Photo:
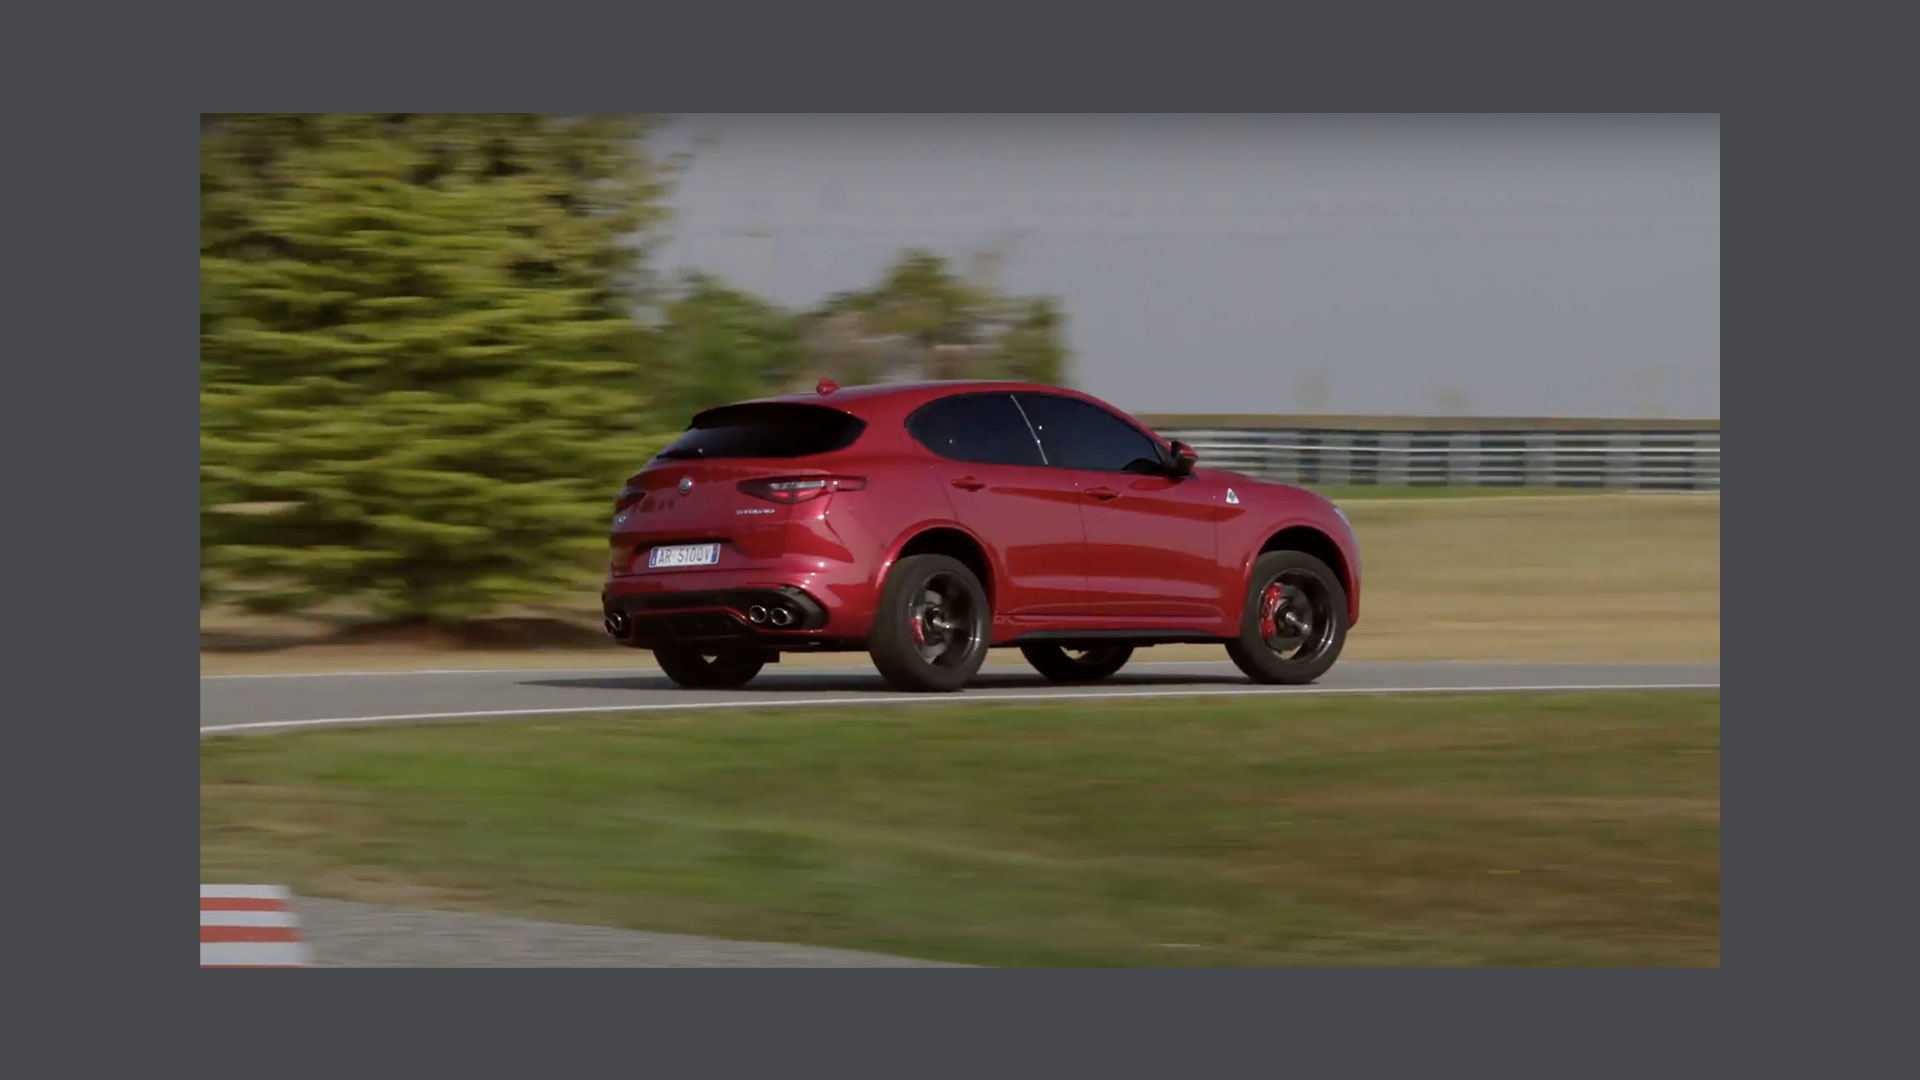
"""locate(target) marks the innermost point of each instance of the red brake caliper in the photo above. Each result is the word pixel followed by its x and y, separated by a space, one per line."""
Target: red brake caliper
pixel 1269 606
pixel 919 630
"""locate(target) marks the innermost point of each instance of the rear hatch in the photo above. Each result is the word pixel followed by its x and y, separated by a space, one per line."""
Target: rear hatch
pixel 724 491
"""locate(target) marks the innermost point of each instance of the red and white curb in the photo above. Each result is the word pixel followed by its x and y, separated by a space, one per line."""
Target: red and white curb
pixel 249 926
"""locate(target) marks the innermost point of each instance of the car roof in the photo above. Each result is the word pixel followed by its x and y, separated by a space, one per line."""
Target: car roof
pixel 894 401
pixel 909 393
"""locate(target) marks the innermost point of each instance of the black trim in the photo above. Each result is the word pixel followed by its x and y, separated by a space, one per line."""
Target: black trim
pixel 906 424
pixel 1165 465
pixel 712 615
pixel 660 628
pixel 651 631
pixel 813 616
pixel 1094 638
pixel 724 416
pixel 1153 438
pixel 1038 445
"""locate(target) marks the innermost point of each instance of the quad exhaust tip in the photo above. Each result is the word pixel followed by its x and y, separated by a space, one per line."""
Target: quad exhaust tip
pixel 781 616
pixel 616 623
pixel 756 614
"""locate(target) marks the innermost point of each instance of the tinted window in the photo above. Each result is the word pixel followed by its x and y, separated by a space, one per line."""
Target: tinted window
pixel 983 428
pixel 1077 435
pixel 774 430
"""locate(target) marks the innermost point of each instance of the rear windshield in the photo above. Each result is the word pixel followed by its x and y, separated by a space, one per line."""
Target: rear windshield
pixel 770 430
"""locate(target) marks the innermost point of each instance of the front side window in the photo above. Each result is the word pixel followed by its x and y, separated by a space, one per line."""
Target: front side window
pixel 983 428
pixel 1076 435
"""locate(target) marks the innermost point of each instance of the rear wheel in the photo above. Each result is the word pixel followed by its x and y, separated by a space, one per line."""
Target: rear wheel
pixel 1076 665
pixel 717 668
pixel 930 632
pixel 1295 622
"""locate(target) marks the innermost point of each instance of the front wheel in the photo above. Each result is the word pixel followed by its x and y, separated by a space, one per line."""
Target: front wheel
pixel 930 632
pixel 1076 665
pixel 1295 622
pixel 721 668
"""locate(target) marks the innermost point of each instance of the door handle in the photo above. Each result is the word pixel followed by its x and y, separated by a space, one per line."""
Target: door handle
pixel 1103 494
pixel 968 483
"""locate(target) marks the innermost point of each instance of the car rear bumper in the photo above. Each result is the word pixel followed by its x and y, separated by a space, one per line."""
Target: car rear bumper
pixel 647 611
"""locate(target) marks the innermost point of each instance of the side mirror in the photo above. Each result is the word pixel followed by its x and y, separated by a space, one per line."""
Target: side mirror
pixel 1183 458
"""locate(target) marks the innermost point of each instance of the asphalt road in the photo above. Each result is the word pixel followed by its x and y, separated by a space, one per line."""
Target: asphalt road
pixel 266 703
pixel 344 934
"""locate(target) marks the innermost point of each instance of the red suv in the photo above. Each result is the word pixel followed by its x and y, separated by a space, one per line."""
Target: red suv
pixel 926 522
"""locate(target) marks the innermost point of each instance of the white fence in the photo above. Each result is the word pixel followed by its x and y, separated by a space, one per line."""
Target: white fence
pixel 1654 460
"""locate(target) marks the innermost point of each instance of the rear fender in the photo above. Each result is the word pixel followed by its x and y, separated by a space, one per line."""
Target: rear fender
pixel 995 570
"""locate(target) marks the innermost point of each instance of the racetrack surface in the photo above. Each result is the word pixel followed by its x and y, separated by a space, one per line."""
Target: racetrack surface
pixel 345 934
pixel 267 703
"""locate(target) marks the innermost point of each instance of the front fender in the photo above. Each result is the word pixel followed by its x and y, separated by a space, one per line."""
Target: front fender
pixel 1332 531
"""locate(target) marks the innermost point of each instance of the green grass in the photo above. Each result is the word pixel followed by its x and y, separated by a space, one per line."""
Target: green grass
pixel 1470 830
pixel 1348 492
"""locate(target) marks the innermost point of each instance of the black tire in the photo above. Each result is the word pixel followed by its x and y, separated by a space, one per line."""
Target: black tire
pixel 723 667
pixel 1300 650
pixel 952 642
pixel 1077 665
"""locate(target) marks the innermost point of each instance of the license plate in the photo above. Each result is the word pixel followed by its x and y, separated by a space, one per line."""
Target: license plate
pixel 684 555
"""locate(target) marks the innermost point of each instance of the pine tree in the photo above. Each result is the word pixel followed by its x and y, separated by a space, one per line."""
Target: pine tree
pixel 418 348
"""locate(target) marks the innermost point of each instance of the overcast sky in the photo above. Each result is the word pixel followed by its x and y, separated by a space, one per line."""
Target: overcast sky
pixel 1488 265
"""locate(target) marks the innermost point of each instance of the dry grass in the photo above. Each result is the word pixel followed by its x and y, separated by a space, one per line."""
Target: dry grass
pixel 1562 577
pixel 1626 578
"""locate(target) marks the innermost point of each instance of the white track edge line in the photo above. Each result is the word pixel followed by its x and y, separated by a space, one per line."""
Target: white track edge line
pixel 644 671
pixel 232 891
pixel 415 671
pixel 255 953
pixel 282 917
pixel 933 699
pixel 836 668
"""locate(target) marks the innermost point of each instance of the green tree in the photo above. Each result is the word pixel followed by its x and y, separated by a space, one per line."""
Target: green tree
pixel 922 319
pixel 920 298
pixel 1029 346
pixel 418 350
pixel 719 344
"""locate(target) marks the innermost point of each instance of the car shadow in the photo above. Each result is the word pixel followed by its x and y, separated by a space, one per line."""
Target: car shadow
pixel 873 684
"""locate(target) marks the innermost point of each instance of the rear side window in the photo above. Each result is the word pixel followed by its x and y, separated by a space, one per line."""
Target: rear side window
pixel 767 430
pixel 983 428
pixel 1077 435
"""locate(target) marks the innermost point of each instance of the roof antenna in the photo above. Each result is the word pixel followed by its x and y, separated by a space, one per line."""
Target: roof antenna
pixel 826 386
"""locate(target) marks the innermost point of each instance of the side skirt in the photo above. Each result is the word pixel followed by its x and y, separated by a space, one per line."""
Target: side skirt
pixel 1075 639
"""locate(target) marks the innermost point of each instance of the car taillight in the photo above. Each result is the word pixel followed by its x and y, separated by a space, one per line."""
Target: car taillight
pixel 627 497
pixel 793 489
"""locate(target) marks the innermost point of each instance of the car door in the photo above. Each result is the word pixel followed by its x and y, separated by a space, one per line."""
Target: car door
pixel 1000 488
pixel 1150 535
